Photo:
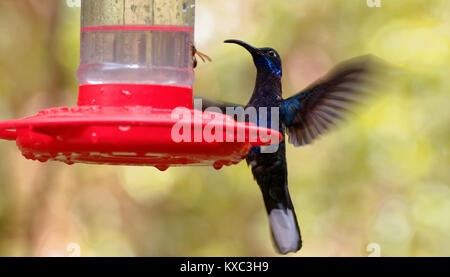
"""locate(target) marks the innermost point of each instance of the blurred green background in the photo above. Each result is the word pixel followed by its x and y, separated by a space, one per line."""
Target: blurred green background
pixel 383 177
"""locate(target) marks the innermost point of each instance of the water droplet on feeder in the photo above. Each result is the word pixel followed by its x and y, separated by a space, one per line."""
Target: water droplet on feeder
pixel 126 93
pixel 217 165
pixel 162 167
pixel 124 128
pixel 29 156
pixel 94 138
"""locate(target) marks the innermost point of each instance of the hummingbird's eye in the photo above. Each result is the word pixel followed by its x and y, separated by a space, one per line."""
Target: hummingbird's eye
pixel 272 54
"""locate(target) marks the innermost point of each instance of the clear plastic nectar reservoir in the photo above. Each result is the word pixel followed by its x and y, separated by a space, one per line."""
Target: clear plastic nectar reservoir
pixel 137 42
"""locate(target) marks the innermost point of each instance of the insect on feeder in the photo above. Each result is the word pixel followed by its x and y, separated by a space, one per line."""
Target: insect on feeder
pixel 135 69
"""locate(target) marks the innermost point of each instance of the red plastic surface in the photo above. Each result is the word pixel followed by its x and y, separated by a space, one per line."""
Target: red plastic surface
pixel 120 132
pixel 155 96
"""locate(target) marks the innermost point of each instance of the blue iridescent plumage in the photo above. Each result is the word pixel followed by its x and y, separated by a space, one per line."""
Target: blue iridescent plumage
pixel 274 68
pixel 288 109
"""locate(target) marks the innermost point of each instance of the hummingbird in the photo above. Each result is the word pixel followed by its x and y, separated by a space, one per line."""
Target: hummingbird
pixel 304 117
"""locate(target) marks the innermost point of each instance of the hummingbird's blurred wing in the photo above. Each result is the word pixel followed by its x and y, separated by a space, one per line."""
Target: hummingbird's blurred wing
pixel 311 112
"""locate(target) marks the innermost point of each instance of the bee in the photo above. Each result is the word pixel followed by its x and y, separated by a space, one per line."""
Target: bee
pixel 202 56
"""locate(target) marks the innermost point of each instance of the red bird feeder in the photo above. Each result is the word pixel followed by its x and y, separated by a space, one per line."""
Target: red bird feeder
pixel 135 71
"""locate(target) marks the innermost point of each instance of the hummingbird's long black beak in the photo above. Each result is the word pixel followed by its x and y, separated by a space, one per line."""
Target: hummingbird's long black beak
pixel 253 50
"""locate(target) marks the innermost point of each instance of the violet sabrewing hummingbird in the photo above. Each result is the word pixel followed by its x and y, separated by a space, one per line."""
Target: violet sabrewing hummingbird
pixel 304 116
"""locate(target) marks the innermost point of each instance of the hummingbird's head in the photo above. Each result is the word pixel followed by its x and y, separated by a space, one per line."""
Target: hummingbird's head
pixel 265 59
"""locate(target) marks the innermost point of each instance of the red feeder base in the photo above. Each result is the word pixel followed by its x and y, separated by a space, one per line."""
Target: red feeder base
pixel 124 125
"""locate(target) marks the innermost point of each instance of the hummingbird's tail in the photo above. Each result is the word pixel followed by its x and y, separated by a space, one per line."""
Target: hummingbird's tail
pixel 270 172
pixel 282 219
